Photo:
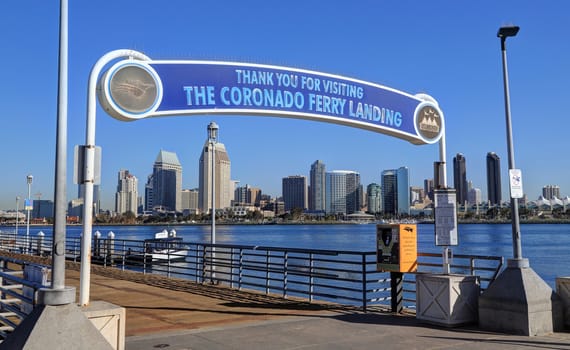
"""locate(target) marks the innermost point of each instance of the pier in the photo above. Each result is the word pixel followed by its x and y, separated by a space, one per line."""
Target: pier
pixel 177 313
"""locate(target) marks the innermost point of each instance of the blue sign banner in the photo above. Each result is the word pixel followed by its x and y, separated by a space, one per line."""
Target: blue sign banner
pixel 203 87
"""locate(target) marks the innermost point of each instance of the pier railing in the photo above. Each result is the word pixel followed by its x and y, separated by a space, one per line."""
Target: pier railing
pixel 344 277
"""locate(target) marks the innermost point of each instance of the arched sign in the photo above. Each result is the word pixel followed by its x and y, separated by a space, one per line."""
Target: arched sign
pixel 135 89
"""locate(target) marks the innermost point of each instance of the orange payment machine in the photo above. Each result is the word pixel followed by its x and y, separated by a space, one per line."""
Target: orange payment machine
pixel 396 247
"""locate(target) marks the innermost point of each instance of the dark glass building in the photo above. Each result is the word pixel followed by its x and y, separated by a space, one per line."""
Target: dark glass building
pixel 460 178
pixel 493 178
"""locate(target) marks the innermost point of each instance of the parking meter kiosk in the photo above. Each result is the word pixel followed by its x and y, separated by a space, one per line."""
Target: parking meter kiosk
pixel 396 247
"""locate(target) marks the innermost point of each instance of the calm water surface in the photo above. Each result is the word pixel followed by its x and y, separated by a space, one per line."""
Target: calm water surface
pixel 546 246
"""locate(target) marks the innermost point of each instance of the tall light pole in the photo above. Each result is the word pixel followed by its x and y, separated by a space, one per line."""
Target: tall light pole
pixel 17 219
pixel 503 33
pixel 212 139
pixel 29 206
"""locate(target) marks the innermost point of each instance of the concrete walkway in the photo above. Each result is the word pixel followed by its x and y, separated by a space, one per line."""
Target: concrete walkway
pixel 164 313
pixel 178 314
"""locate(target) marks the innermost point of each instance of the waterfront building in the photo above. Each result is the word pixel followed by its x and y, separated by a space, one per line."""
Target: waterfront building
pixel 317 195
pixel 428 188
pixel 148 194
pixel 474 196
pixel 295 194
pixel 403 190
pixel 224 186
pixel 396 191
pixel 42 209
pixel 190 200
pixel 342 192
pixel 127 193
pixel 493 179
pixel 167 182
pixel 247 195
pixel 417 195
pixel 460 178
pixel 551 191
pixel 374 194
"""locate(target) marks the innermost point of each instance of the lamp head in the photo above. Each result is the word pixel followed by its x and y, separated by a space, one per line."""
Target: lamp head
pixel 507 31
pixel 213 131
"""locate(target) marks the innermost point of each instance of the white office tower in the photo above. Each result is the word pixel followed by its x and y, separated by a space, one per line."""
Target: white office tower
pixel 224 189
pixel 126 197
pixel 342 192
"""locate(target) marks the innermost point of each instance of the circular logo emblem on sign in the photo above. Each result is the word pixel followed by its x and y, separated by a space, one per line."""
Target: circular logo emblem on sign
pixel 429 123
pixel 130 90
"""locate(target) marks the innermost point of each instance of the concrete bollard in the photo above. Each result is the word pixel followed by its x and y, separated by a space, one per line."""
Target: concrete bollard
pixel 97 244
pixel 40 243
pixel 110 251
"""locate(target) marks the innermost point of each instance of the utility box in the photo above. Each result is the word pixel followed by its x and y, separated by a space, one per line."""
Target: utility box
pixel 396 247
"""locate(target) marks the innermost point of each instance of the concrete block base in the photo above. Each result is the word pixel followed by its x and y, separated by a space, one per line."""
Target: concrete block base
pixel 520 302
pixel 56 327
pixel 563 290
pixel 110 320
pixel 447 300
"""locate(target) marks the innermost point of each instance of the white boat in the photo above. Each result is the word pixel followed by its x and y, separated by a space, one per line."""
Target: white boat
pixel 165 246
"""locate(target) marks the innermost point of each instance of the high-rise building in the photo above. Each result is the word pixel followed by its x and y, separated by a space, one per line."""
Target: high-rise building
pixel 551 191
pixel 374 194
pixel 190 200
pixel 295 192
pixel 342 192
pixel 247 196
pixel 493 178
pixel 403 190
pixel 474 196
pixel 148 194
pixel 396 191
pixel 224 187
pixel 389 191
pixel 460 178
pixel 167 182
pixel 428 188
pixel 317 195
pixel 127 193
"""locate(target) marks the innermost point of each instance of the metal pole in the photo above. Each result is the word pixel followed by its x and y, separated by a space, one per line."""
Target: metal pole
pixel 89 164
pixel 60 197
pixel 17 219
pixel 29 180
pixel 517 250
pixel 213 233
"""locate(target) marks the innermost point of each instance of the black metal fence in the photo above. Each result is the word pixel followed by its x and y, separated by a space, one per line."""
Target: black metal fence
pixel 344 277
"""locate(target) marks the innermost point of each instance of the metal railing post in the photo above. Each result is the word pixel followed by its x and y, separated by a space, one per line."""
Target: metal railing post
pixel 364 280
pixel 285 272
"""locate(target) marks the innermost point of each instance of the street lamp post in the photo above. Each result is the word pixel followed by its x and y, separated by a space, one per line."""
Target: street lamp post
pixel 503 33
pixel 29 180
pixel 17 219
pixel 212 139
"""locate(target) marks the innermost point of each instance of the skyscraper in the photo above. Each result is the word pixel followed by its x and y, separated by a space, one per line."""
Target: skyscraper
pixel 127 193
pixel 493 178
pixel 403 190
pixel 374 194
pixel 551 191
pixel 224 189
pixel 317 195
pixel 167 182
pixel 342 192
pixel 396 191
pixel 389 191
pixel 295 192
pixel 460 178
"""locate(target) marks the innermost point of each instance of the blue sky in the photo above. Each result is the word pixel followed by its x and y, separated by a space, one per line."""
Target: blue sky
pixel 447 49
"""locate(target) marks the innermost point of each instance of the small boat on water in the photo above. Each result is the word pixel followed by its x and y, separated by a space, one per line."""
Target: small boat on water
pixel 165 246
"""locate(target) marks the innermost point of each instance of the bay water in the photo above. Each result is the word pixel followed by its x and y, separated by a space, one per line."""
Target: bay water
pixel 547 246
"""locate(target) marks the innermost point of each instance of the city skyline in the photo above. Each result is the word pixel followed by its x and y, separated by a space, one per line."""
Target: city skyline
pixel 460 69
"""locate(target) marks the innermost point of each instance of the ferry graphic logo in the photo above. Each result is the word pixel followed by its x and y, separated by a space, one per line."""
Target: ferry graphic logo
pixel 428 123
